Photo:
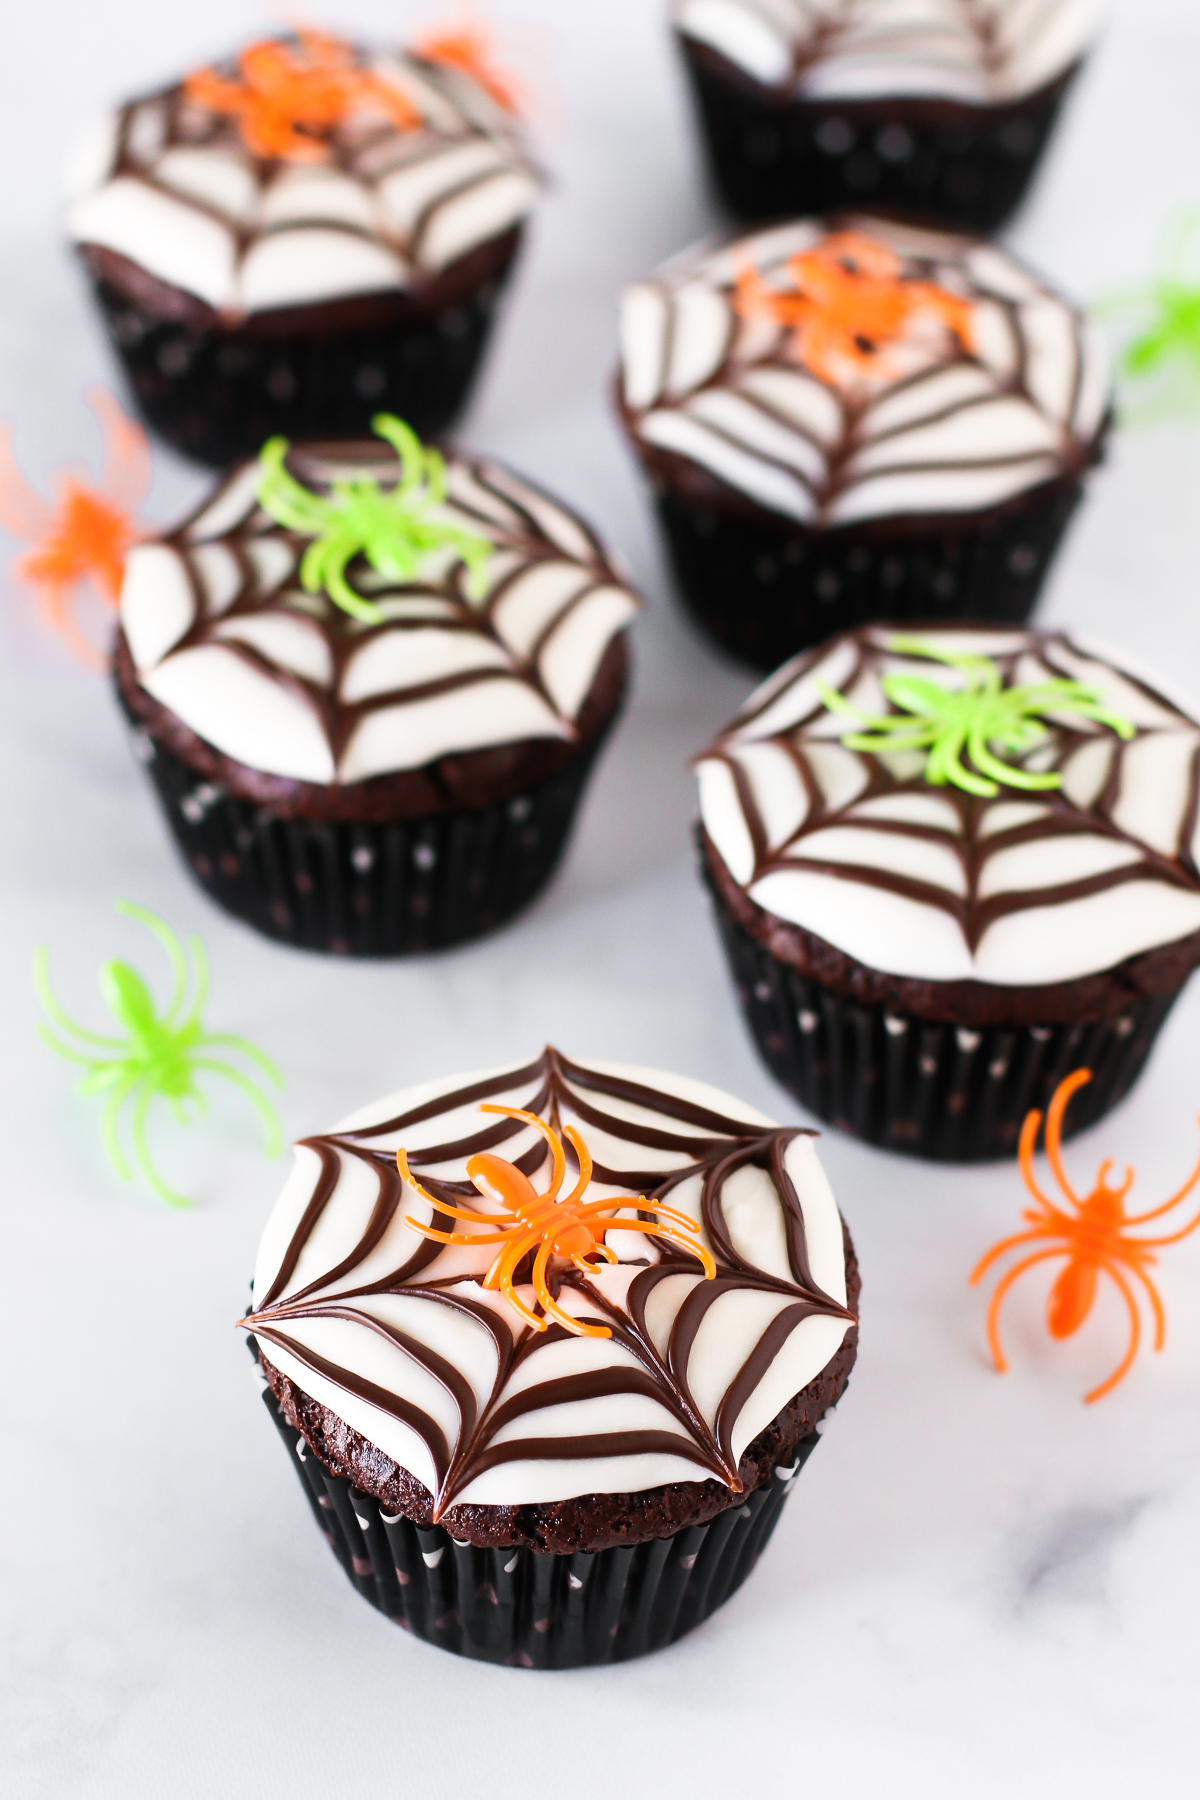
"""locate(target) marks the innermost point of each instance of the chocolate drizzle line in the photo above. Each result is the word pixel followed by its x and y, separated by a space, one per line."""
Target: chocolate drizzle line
pixel 440 605
pixel 362 148
pixel 850 27
pixel 969 841
pixel 712 1145
pixel 1070 454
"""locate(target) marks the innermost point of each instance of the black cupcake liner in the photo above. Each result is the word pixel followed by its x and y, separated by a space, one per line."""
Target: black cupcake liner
pixel 389 889
pixel 766 590
pixel 946 1092
pixel 963 167
pixel 217 394
pixel 527 1609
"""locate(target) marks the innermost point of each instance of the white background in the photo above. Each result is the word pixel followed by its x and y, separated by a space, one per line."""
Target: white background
pixel 980 1584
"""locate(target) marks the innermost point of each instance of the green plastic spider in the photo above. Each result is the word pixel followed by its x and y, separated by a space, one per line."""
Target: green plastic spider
pixel 1166 317
pixel 950 722
pixel 159 1057
pixel 396 529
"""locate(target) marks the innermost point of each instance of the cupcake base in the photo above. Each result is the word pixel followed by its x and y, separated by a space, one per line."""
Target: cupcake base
pixel 950 1093
pixel 526 1609
pixel 966 167
pixel 371 888
pixel 216 392
pixel 764 588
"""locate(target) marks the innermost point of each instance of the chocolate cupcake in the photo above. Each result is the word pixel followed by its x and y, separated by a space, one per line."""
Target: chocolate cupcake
pixel 572 1448
pixel 846 420
pixel 950 870
pixel 369 687
pixel 937 110
pixel 293 240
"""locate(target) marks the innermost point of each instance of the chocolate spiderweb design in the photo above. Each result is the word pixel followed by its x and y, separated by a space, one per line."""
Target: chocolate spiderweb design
pixel 950 41
pixel 550 589
pixel 952 427
pixel 636 1361
pixel 399 200
pixel 872 819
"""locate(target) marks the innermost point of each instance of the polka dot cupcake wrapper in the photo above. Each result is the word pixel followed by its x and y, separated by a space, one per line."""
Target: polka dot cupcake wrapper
pixel 966 167
pixel 530 1610
pixel 217 394
pixel 908 1084
pixel 764 592
pixel 373 890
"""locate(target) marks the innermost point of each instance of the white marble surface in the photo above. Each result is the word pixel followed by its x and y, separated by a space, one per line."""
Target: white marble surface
pixel 981 1585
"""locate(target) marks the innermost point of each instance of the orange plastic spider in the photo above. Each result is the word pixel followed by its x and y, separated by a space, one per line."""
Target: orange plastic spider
pixel 552 1226
pixel 848 301
pixel 1093 1238
pixel 287 97
pixel 471 47
pixel 87 534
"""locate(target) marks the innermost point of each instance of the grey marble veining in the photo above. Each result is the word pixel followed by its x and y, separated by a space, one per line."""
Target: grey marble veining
pixel 981 1587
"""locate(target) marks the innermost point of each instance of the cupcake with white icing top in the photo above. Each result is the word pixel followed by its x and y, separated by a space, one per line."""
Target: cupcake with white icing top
pixel 936 109
pixel 846 420
pixel 291 240
pixel 950 868
pixel 369 685
pixel 547 1345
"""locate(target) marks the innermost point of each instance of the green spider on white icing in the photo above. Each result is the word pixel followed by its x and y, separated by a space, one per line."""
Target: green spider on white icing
pixel 397 529
pixel 983 720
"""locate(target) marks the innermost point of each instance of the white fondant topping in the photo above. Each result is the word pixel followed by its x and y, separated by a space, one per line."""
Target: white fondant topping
pixel 979 51
pixel 315 262
pixel 178 244
pixel 177 192
pixel 733 1326
pixel 937 427
pixel 246 714
pixel 1131 836
pixel 218 625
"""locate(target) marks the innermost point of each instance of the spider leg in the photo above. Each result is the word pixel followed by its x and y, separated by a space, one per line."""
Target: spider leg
pixel 1054 1118
pixel 998 1250
pixel 556 1149
pixel 109 1130
pixel 551 1307
pixel 519 1245
pixel 509 1293
pixel 642 1204
pixel 229 1041
pixel 408 448
pixel 456 1237
pixel 669 1213
pixel 53 603
pixel 41 981
pixel 285 498
pixel 262 1105
pixel 603 1250
pixel 1135 1337
pixel 1156 1243
pixel 1025 1150
pixel 585 1166
pixel 22 509
pixel 141 1148
pixel 454 1212
pixel 1156 1305
pixel 170 943
pixel 700 1251
pixel 1176 1198
pixel 993 1315
pixel 327 569
pixel 201 982
pixel 126 474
